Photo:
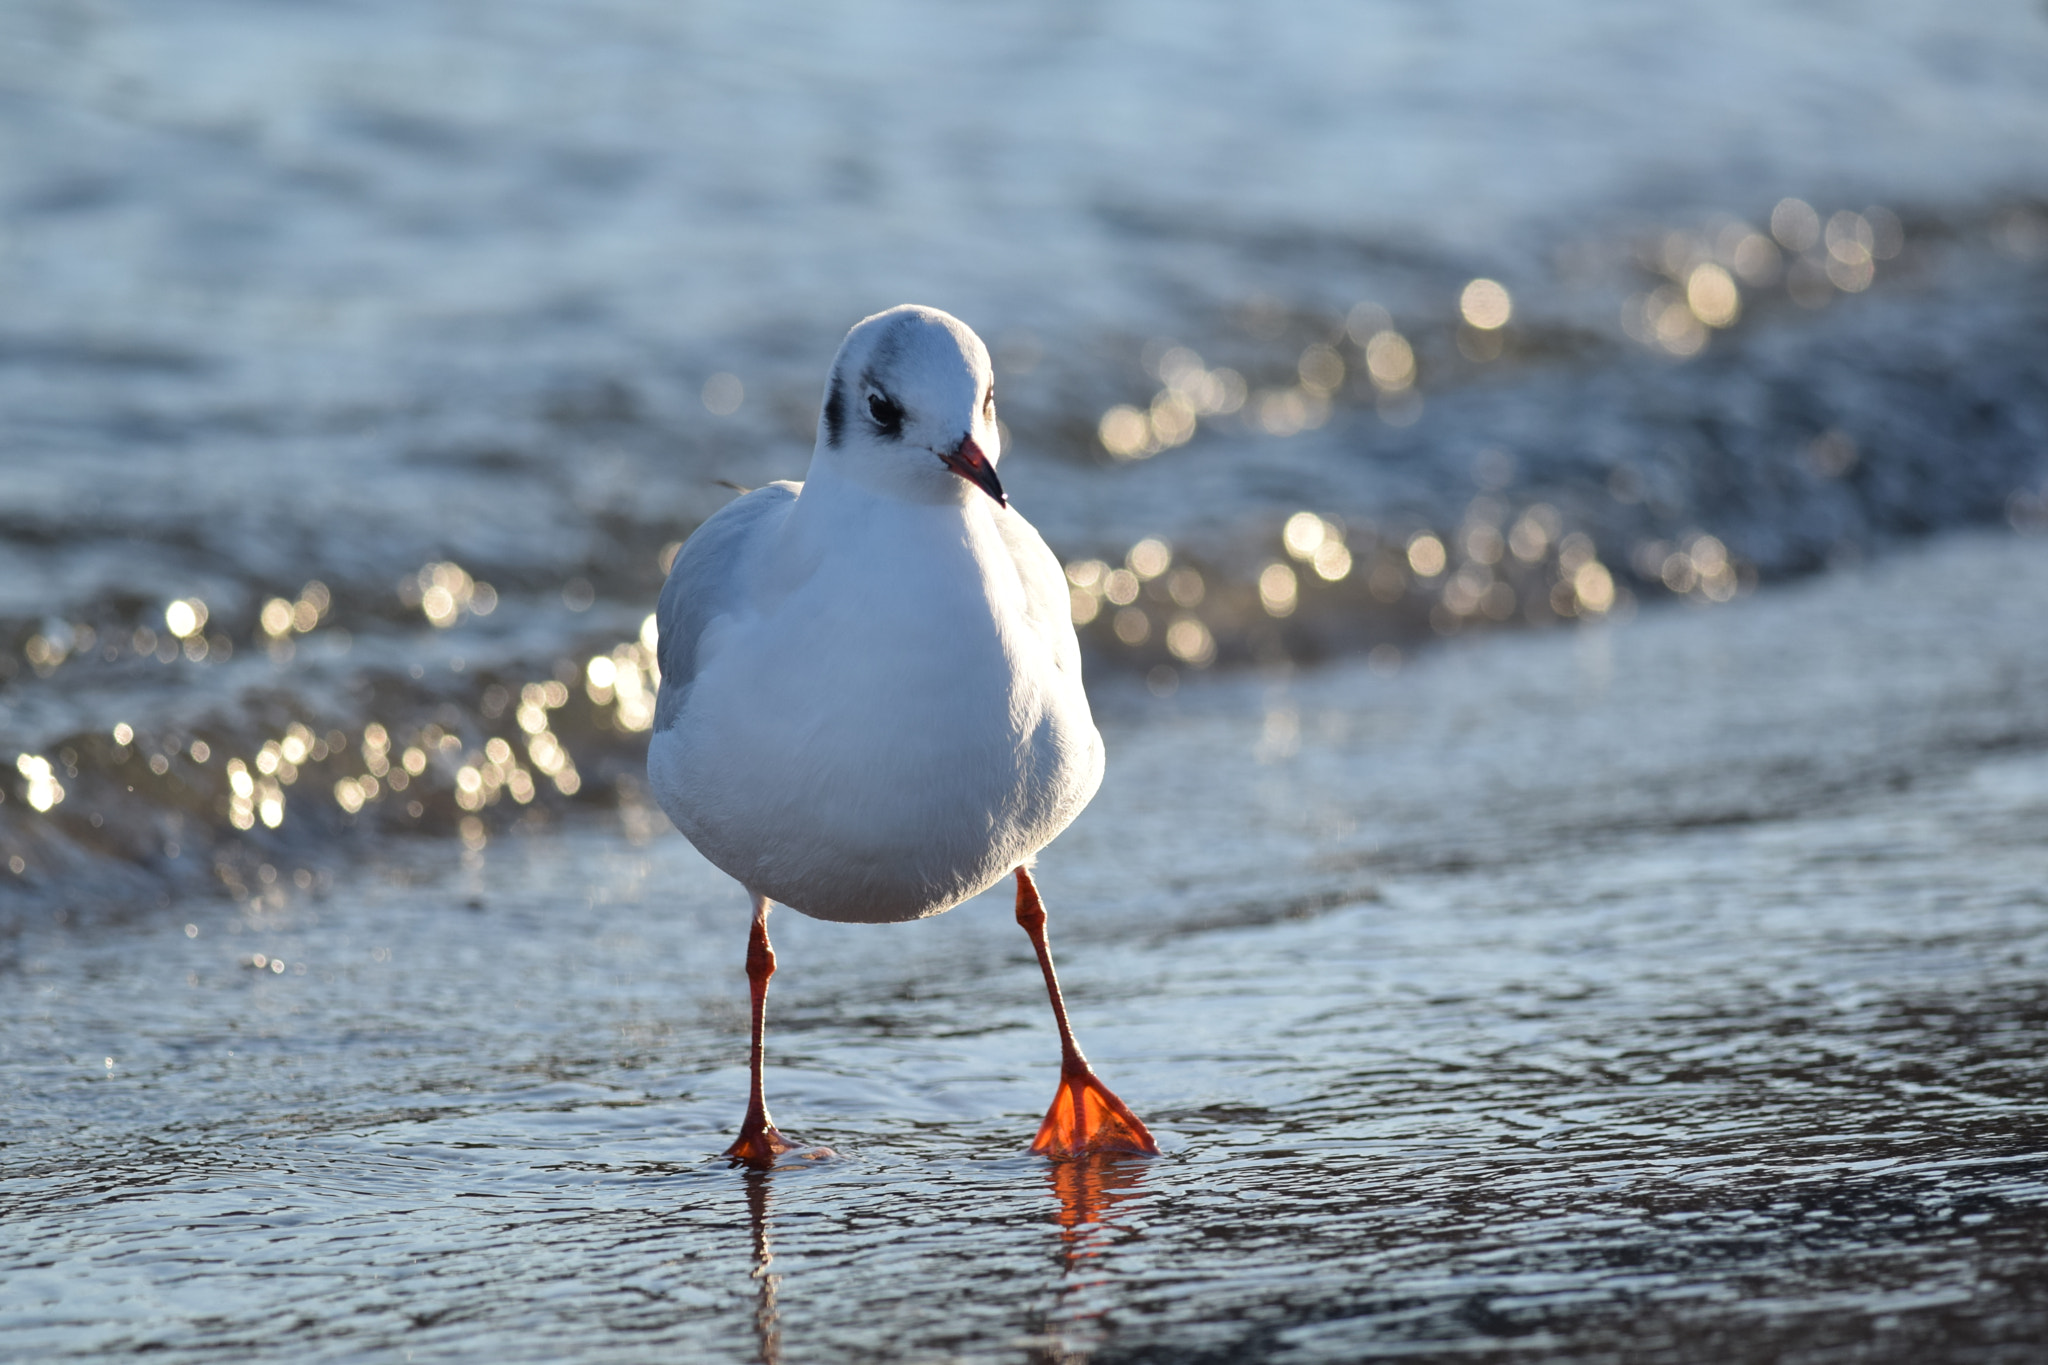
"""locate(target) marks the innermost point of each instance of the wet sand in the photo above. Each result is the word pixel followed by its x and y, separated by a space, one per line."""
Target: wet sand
pixel 1670 989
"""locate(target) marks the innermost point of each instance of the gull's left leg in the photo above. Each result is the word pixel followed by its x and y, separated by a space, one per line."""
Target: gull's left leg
pixel 759 1144
pixel 1085 1116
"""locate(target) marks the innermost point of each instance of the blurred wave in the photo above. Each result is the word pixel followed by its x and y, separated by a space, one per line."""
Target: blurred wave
pixel 361 363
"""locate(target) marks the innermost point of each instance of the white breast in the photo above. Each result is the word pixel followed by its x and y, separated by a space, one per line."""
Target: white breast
pixel 882 727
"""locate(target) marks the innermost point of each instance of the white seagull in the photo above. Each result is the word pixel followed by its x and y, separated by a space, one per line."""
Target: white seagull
pixel 871 704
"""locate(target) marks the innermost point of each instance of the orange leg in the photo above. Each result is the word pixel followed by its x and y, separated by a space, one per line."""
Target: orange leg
pixel 1085 1116
pixel 759 1144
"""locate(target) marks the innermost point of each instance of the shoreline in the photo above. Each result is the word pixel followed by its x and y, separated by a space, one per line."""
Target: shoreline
pixel 169 845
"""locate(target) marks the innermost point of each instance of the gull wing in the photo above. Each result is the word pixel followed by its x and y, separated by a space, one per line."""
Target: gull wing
pixel 705 584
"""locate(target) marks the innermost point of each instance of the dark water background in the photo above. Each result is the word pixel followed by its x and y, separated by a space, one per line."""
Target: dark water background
pixel 318 311
pixel 1623 942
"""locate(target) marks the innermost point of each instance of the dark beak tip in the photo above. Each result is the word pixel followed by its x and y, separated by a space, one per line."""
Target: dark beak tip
pixel 972 465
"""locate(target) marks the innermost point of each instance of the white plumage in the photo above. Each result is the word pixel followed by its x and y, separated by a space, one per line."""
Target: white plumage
pixel 871 703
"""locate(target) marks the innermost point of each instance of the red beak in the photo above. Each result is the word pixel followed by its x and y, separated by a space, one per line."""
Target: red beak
pixel 970 464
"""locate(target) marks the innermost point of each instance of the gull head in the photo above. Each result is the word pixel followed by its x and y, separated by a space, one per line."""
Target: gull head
pixel 910 408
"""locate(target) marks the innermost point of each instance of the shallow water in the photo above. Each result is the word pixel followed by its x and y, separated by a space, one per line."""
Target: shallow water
pixel 1669 990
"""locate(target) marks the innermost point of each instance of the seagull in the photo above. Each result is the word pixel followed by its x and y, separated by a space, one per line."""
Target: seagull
pixel 871 705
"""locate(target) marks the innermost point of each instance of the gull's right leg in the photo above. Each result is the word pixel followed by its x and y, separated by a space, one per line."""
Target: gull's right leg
pixel 759 1144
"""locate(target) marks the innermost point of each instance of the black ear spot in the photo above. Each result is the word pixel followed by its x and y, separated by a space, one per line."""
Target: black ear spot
pixel 888 416
pixel 835 412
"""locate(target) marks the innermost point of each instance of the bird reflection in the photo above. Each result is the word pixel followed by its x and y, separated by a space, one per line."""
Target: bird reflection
pixel 1090 1191
pixel 767 1328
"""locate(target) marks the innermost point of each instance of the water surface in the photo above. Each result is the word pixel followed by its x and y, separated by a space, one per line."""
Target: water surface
pixel 1670 990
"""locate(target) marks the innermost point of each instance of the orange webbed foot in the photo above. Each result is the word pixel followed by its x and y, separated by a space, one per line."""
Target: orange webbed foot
pixel 1086 1116
pixel 759 1146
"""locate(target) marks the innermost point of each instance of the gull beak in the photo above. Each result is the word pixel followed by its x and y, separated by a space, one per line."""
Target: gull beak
pixel 970 464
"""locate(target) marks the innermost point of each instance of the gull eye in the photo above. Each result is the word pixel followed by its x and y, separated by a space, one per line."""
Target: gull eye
pixel 887 415
pixel 988 404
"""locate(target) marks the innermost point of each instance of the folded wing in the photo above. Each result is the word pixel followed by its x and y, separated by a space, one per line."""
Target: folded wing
pixel 706 582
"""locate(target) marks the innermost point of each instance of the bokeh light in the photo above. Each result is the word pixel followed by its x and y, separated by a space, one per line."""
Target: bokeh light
pixel 1426 554
pixel 1485 304
pixel 723 393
